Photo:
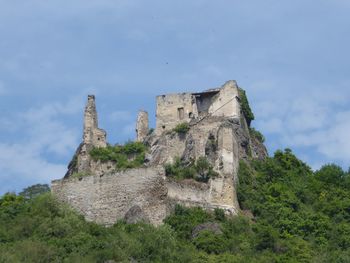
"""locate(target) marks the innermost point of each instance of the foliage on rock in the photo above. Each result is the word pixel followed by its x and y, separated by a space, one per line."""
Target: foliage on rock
pixel 256 134
pixel 182 128
pixel 200 170
pixel 130 155
pixel 247 112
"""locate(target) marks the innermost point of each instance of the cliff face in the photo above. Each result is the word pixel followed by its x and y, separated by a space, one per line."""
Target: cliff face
pixel 210 126
pixel 223 142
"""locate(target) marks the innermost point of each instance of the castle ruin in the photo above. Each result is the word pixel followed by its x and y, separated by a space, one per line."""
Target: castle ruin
pixel 216 130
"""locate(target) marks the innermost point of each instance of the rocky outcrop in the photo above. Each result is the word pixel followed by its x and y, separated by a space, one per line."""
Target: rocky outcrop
pixel 135 215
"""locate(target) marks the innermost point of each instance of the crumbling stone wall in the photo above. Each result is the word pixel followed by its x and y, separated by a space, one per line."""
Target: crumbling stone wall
pixel 173 109
pixel 106 199
pixel 217 130
pixel 93 136
pixel 142 126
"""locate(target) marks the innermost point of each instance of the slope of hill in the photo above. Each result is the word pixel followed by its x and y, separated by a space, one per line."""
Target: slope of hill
pixel 290 214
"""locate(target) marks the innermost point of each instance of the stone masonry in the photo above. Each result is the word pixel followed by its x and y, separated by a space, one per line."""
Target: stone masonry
pixel 217 131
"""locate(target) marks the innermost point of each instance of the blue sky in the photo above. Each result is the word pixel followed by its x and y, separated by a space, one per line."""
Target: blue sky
pixel 291 56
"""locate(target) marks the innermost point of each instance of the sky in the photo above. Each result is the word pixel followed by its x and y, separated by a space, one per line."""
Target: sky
pixel 292 58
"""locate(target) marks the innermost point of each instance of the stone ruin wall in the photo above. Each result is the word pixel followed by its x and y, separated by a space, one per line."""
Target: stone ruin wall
pixel 173 109
pixel 106 199
pixel 228 137
pixel 213 116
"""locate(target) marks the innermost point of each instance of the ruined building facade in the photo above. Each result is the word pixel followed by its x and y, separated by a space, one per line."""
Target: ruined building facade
pixel 217 130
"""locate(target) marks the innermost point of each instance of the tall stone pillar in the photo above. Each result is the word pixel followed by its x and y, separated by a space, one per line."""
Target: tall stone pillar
pixel 142 126
pixel 92 134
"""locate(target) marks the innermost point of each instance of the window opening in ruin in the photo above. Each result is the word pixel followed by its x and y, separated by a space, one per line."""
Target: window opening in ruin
pixel 190 115
pixel 163 126
pixel 180 113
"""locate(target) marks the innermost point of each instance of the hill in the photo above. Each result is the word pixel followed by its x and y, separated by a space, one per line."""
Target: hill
pixel 290 214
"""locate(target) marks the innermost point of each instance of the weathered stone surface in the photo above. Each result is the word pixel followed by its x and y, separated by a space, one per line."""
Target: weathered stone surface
pixel 92 137
pixel 259 150
pixel 92 134
pixel 108 198
pixel 142 127
pixel 217 130
pixel 135 215
pixel 210 226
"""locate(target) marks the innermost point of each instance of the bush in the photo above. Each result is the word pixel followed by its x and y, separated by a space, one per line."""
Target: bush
pixel 201 170
pixel 210 242
pixel 256 134
pixel 247 112
pixel 182 128
pixel 130 155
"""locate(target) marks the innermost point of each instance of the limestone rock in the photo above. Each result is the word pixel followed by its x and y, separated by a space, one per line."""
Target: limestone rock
pixel 142 128
pixel 135 215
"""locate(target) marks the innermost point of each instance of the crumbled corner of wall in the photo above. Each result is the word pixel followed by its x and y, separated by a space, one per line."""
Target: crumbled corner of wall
pixel 258 149
pixel 73 164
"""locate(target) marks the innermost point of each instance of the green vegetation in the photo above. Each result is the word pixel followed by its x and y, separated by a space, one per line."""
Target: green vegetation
pixel 299 216
pixel 201 170
pixel 298 211
pixel 34 191
pixel 256 134
pixel 247 112
pixel 183 128
pixel 130 155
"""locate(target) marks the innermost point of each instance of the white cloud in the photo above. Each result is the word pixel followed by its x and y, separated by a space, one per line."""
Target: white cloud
pixel 42 133
pixel 21 165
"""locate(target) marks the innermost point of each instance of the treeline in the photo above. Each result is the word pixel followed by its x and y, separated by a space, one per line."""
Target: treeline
pixel 290 214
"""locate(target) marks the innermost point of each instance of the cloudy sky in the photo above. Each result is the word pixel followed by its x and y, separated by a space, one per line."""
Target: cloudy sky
pixel 291 56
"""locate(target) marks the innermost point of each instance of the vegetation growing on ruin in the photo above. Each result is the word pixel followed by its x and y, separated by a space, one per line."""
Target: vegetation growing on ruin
pixel 183 127
pixel 256 134
pixel 130 155
pixel 200 170
pixel 247 112
pixel 297 216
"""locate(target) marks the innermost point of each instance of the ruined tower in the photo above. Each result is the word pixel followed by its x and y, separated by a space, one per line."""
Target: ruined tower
pixel 142 126
pixel 92 134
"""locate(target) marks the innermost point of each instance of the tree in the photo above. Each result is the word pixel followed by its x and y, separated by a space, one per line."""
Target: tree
pixel 34 191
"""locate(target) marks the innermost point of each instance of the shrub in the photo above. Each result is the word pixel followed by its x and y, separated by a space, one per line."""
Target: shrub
pixel 219 214
pixel 210 242
pixel 201 170
pixel 256 134
pixel 130 155
pixel 247 112
pixel 182 128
